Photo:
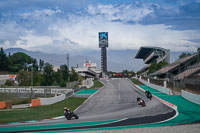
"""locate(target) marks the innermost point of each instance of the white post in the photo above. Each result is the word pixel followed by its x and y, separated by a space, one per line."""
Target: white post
pixel 165 84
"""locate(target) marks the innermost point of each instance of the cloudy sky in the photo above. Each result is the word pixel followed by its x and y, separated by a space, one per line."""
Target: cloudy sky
pixel 57 26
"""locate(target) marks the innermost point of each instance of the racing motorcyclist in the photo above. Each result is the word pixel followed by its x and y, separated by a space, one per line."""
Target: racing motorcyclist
pixel 141 102
pixel 69 114
pixel 148 94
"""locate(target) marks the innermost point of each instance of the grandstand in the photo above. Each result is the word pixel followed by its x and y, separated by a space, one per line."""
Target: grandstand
pixel 195 69
pixel 177 67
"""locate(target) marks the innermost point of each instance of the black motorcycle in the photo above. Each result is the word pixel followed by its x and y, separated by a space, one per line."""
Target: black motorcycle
pixel 148 94
pixel 69 115
pixel 141 102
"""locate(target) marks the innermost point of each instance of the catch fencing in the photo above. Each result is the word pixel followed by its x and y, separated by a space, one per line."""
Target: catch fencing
pixel 35 92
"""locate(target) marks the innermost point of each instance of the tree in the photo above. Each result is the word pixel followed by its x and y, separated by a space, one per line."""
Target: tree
pixel 24 78
pixel 3 61
pixel 19 61
pixel 35 64
pixel 156 66
pixel 64 72
pixel 41 64
pixel 74 76
pixel 183 55
pixel 48 75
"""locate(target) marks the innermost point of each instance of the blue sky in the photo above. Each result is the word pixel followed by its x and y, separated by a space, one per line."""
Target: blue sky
pixel 57 26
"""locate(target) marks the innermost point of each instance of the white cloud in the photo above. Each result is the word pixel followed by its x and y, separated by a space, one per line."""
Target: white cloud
pixel 78 32
pixel 84 31
pixel 124 12
pixel 37 14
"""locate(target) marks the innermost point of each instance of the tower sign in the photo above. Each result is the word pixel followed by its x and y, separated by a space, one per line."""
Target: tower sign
pixel 103 43
pixel 103 39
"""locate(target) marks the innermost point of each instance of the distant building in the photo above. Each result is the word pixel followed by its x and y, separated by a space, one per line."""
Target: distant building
pixel 55 68
pixel 92 66
pixel 4 78
pixel 89 70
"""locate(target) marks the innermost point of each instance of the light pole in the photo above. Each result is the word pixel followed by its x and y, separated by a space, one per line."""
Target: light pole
pixel 31 79
pixel 67 60
pixel 68 65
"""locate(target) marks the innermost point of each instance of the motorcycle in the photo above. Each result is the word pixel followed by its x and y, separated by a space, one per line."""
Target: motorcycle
pixel 69 115
pixel 141 102
pixel 148 95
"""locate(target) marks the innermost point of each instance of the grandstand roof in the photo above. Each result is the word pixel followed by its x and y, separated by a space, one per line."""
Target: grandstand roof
pixel 143 52
pixel 146 51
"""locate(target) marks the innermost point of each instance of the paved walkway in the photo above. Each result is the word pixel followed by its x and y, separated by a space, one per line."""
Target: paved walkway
pixel 18 106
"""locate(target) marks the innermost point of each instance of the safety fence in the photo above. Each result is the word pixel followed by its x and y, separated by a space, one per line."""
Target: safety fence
pixel 195 98
pixel 190 84
pixel 159 88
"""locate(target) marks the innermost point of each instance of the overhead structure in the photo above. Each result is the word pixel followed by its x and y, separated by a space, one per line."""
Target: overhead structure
pixel 103 44
pixel 153 54
pixel 89 70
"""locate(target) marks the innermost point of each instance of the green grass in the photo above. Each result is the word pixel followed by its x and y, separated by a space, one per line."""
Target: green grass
pixel 40 112
pixel 137 82
pixel 13 98
pixel 97 84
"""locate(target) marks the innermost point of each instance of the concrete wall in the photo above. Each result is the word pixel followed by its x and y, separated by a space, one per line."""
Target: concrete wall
pixel 88 82
pixel 159 88
pixel 52 100
pixel 191 97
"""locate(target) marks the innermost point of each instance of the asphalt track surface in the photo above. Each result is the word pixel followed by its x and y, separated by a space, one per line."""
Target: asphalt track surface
pixel 117 100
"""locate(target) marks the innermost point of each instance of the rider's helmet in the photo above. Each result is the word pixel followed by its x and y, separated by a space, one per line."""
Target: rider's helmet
pixel 138 99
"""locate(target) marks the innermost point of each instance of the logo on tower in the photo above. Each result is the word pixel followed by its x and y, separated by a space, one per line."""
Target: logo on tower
pixel 103 39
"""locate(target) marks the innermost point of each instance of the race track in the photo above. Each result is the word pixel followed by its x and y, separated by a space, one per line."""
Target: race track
pixel 115 101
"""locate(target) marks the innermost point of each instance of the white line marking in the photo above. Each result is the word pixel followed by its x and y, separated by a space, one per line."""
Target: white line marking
pixel 119 92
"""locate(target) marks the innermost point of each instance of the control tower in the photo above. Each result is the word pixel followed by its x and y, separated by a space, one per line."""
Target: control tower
pixel 103 44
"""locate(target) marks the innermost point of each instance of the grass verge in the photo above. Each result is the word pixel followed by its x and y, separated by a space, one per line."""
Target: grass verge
pixel 40 112
pixel 97 84
pixel 137 82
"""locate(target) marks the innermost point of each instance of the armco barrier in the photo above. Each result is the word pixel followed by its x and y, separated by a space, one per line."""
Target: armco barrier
pixel 191 97
pixel 159 88
pixel 35 90
pixel 52 100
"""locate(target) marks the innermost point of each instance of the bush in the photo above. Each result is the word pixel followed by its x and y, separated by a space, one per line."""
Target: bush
pixel 9 83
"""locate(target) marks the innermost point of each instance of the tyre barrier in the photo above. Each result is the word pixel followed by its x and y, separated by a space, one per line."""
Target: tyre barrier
pixel 5 105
